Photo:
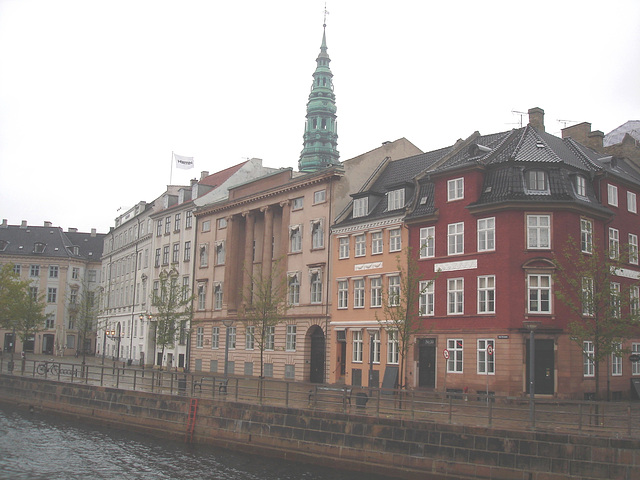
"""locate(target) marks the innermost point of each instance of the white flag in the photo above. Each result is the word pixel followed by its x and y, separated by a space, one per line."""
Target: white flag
pixel 184 163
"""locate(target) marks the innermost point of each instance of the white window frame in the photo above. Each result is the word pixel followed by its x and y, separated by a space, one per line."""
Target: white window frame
pixel 395 240
pixel 297 203
pixel 343 247
pixel 587 296
pixel 395 199
pixel 320 196
pixel 581 186
pixel 455 189
pixel 635 366
pixel 536 293
pixel 202 296
pixel 343 294
pixel 357 345
pixel 455 238
pixel 393 350
pixel 317 234
pixel 426 299
pixel 360 245
pixel 632 203
pixel 358 292
pixel 538 234
pixel 486 234
pixel 633 248
pixel 427 242
pixel 616 361
pixel 612 195
pixel 455 296
pixel 377 242
pixel 614 243
pixel 249 337
pixel 394 291
pixel 270 337
pixel 360 207
pixel 455 363
pixel 295 238
pixel 290 339
pixel 316 287
pixel 486 294
pixel 634 300
pixel 486 364
pixel 586 235
pixel 536 181
pixel 588 364
pixel 215 337
pixel 375 284
pixel 199 337
pixel 293 290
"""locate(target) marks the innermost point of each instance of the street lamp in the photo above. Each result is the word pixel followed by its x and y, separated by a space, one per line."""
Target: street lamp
pixel 532 326
pixel 372 333
pixel 227 323
pixel 142 318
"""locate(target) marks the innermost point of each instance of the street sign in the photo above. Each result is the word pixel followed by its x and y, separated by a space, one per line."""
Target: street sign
pixel 445 354
pixel 490 350
pixel 634 357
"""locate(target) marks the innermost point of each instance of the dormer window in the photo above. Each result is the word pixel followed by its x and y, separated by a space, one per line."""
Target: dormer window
pixel 581 186
pixel 3 245
pixel 39 247
pixel 455 189
pixel 395 199
pixel 536 182
pixel 360 207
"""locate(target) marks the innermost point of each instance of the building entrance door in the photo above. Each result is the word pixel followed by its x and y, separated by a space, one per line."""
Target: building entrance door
pixel 544 375
pixel 316 375
pixel 427 362
pixel 9 342
pixel 48 341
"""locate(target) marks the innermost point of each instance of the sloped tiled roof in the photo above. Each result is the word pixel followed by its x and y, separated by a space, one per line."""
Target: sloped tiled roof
pixel 218 178
pixel 58 244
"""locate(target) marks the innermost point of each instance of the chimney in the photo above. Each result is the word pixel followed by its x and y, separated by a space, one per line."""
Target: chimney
pixel 23 224
pixel 47 224
pixel 93 232
pixel 595 140
pixel 4 223
pixel 536 118
pixel 194 181
pixel 203 174
pixel 582 133
pixel 72 230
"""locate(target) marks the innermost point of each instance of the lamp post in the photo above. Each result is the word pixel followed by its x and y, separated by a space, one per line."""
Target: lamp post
pixel 532 326
pixel 372 333
pixel 227 324
pixel 142 318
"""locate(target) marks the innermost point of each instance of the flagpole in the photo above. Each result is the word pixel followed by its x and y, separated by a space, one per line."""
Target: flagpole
pixel 171 174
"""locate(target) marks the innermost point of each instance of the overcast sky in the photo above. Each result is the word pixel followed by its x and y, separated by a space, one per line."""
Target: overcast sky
pixel 96 94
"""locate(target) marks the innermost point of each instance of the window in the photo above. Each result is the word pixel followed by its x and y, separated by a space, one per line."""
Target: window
pixel 39 247
pixel 217 296
pixel 427 242
pixel 615 299
pixel 220 253
pixel 202 296
pixel 539 293
pixel 222 223
pixel 176 223
pixel 231 332
pixel 614 243
pixel 187 251
pixel 395 240
pixel 361 246
pixel 206 226
pixel 317 234
pixel 53 271
pixel 199 337
pixel 34 271
pixel 188 222
pixel 536 181
pixel 486 234
pixel 376 292
pixel 295 233
pixel 538 231
pixel 633 248
pixel 250 339
pixel 487 294
pixel 455 295
pixel 455 237
pixel 290 343
pixel 393 353
pixel 357 345
pixel 185 288
pixel 634 300
pixel 165 255
pixel 586 235
pixel 17 269
pixel 587 296
pixel 635 366
pixel 215 337
pixel 297 203
pixel 167 225
pixel 358 293
pixel 343 247
pixel 270 337
pixel 73 296
pixel 360 207
pixel 581 186
pixel 616 360
pixel 612 195
pixel 454 364
pixel 175 257
pixel 343 294
pixel 319 196
pixel 316 287
pixel 75 273
pixel 3 245
pixel 294 289
pixel 376 243
pixel 52 295
pixel 426 301
pixel 394 290
pixel 204 255
pixel 159 227
pixel 376 347
pixel 395 199
pixel 50 321
pixel 486 357
pixel 631 202
pixel 455 189
pixel 33 293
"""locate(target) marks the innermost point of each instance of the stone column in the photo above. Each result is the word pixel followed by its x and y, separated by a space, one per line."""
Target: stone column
pixel 267 245
pixel 284 236
pixel 250 221
pixel 232 263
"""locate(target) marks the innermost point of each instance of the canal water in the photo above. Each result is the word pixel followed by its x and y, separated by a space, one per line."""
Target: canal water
pixel 40 446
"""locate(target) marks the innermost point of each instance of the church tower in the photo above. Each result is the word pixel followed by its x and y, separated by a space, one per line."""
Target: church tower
pixel 321 128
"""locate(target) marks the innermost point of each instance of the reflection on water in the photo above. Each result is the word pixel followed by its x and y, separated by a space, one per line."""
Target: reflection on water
pixel 36 446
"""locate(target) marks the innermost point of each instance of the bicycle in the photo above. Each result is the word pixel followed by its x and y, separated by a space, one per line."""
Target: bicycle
pixel 48 367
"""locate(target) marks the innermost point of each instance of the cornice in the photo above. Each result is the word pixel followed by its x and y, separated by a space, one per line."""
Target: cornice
pixel 367 225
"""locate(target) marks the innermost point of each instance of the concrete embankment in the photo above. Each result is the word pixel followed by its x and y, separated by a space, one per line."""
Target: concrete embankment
pixel 394 447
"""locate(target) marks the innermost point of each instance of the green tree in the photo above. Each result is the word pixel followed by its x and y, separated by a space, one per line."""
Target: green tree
pixel 84 309
pixel 173 311
pixel 401 305
pixel 600 297
pixel 265 304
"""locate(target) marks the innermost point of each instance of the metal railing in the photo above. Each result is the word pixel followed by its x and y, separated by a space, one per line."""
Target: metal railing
pixel 616 419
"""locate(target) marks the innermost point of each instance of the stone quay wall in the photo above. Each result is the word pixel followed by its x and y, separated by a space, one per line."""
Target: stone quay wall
pixel 394 447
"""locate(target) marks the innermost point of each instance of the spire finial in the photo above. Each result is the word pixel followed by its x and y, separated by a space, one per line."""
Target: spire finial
pixel 325 15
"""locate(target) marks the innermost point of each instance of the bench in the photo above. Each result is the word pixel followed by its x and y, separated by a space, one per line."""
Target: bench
pixel 198 385
pixel 338 393
pixel 222 386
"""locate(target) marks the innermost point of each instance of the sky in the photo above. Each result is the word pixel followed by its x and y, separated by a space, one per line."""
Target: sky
pixel 96 95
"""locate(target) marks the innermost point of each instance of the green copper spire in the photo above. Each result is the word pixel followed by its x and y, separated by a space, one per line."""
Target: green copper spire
pixel 321 128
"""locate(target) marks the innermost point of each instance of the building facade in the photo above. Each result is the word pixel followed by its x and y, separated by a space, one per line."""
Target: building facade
pixel 63 268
